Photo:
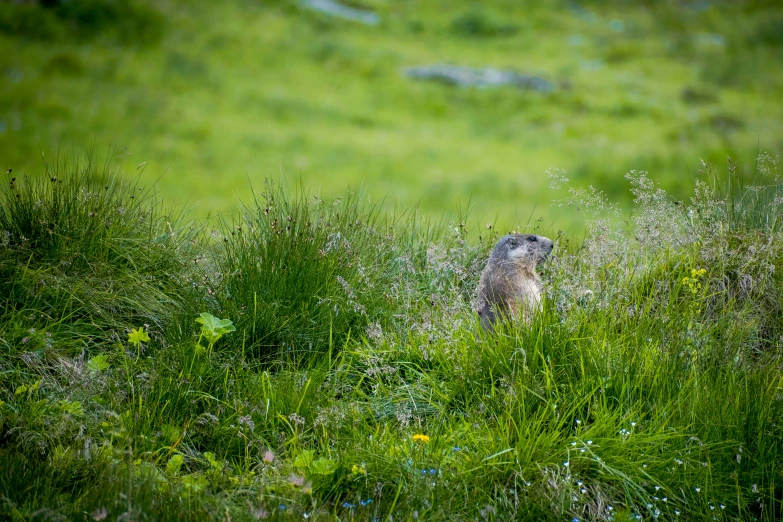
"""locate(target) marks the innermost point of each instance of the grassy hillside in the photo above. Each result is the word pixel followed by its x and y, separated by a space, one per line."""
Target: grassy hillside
pixel 320 359
pixel 213 94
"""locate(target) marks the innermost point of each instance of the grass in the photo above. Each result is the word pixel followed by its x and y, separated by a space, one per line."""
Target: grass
pixel 341 373
pixel 276 91
pixel 92 255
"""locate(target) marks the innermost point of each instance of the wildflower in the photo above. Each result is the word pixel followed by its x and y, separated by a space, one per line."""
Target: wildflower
pixel 365 502
pixel 374 332
pixel 421 438
pixel 269 457
pixel 487 511
pixel 296 480
pixel 259 513
pixel 456 448
pixel 247 421
pixel 348 505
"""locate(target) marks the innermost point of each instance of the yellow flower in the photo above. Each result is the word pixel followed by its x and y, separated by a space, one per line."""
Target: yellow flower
pixel 421 438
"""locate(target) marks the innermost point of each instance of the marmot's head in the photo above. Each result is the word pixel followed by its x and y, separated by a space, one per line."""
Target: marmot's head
pixel 522 248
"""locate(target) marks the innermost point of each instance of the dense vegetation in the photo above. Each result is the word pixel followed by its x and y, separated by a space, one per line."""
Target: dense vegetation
pixel 215 92
pixel 312 353
pixel 319 359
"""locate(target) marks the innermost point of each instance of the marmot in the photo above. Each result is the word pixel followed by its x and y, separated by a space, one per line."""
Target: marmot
pixel 509 283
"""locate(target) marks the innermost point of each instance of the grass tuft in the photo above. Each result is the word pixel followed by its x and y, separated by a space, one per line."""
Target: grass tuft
pixel 86 255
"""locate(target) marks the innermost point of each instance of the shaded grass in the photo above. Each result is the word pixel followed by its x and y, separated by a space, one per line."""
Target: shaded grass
pixel 129 22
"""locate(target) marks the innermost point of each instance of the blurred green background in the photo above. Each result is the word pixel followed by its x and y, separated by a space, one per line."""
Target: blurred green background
pixel 216 96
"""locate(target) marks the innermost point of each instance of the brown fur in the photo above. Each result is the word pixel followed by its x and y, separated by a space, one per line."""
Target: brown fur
pixel 509 284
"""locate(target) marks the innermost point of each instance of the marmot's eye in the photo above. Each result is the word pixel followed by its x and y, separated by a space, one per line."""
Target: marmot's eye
pixel 532 239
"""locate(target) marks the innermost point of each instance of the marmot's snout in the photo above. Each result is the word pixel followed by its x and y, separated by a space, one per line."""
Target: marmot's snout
pixel 523 247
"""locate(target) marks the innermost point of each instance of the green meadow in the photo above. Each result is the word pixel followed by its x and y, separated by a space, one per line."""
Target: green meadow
pixel 239 252
pixel 217 96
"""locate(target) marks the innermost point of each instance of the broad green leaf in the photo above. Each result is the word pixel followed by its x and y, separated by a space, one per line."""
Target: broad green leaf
pixel 138 336
pixel 98 363
pixel 213 326
pixel 194 483
pixel 225 326
pixel 71 407
pixel 323 466
pixel 174 464
pixel 213 462
pixel 304 459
